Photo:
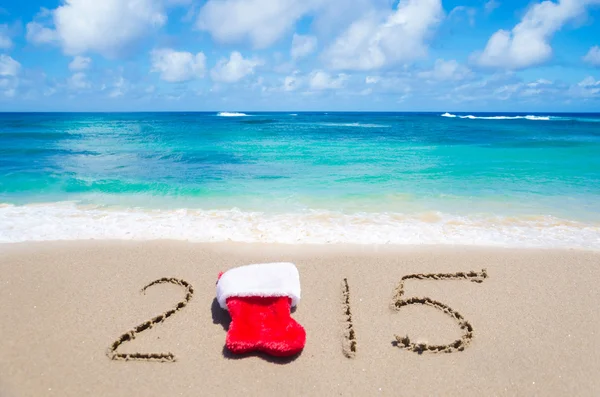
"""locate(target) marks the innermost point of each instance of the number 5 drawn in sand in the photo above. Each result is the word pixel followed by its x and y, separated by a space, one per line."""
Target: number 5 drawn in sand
pixel 130 335
pixel 398 303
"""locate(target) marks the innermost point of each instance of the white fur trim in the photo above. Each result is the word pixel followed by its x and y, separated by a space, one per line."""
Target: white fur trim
pixel 264 279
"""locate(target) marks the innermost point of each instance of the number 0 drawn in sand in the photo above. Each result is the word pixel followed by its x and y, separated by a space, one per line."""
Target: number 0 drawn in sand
pixel 130 335
pixel 398 303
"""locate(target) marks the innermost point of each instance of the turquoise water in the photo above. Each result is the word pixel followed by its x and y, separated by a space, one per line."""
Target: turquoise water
pixel 526 180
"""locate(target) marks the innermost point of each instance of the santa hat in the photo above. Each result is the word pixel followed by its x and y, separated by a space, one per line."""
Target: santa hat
pixel 259 298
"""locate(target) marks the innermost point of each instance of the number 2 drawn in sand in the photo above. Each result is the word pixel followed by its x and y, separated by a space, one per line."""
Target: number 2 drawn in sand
pixel 130 335
pixel 398 303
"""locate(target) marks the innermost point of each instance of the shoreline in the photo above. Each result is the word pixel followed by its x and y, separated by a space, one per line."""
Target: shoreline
pixel 301 248
pixel 298 248
pixel 535 329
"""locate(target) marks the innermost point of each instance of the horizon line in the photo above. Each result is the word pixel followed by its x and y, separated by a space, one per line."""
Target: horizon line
pixel 294 111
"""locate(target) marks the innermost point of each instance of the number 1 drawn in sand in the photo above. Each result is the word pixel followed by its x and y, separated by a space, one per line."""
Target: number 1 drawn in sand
pixel 349 335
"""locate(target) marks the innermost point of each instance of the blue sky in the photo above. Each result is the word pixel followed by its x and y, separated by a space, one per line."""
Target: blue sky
pixel 407 55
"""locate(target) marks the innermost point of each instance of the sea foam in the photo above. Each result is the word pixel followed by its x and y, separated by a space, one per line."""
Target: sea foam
pixel 471 117
pixel 231 114
pixel 68 221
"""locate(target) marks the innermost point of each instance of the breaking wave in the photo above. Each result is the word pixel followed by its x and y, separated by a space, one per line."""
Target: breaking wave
pixel 69 221
pixel 231 114
pixel 530 117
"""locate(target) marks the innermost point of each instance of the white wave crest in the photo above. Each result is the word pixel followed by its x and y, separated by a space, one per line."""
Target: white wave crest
pixel 471 117
pixel 543 118
pixel 363 125
pixel 231 114
pixel 67 221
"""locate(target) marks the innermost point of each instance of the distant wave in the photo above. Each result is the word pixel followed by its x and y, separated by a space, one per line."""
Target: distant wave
pixel 68 221
pixel 231 114
pixel 471 117
pixel 363 125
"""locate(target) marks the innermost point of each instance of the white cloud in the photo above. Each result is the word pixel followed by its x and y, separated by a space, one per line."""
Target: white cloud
pixel 9 91
pixel 593 56
pixel 539 82
pixel 506 91
pixel 321 80
pixel 372 79
pixel 8 66
pixel 292 82
pixel 586 88
pixel 446 70
pixel 5 40
pixel 261 21
pixel 528 42
pixel 529 92
pixel 108 27
pixel 80 63
pixel 589 82
pixel 491 6
pixel 234 69
pixel 469 12
pixel 507 86
pixel 380 39
pixel 176 66
pixel 39 34
pixel 302 45
pixel 78 82
pixel 9 71
pixel 119 87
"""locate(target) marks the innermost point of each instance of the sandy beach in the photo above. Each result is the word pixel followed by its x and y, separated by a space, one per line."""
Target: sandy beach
pixel 535 322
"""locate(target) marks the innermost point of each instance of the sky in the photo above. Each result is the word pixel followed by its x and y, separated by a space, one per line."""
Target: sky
pixel 311 55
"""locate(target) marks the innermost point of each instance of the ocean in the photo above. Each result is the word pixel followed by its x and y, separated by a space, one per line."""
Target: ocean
pixel 513 180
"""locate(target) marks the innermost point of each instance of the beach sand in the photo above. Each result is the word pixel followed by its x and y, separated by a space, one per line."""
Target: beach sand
pixel 535 320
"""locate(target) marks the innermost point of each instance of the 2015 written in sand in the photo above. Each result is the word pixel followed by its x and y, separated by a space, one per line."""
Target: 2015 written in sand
pixel 348 334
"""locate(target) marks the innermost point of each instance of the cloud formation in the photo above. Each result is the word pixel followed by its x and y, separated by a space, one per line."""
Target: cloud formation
pixel 593 56
pixel 9 72
pixel 107 27
pixel 262 22
pixel 8 66
pixel 302 46
pixel 528 43
pixel 176 66
pixel 446 70
pixel 379 39
pixel 78 82
pixel 234 69
pixel 321 80
pixel 490 6
pixel 80 63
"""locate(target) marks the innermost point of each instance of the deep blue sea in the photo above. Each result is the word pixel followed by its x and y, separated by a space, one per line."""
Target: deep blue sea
pixel 530 180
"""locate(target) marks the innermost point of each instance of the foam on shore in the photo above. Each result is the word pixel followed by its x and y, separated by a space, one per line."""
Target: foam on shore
pixel 68 221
